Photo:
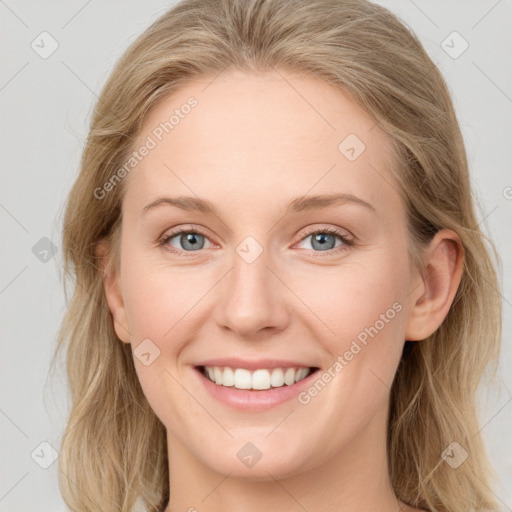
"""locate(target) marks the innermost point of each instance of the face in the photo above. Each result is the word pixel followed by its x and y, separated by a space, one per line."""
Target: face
pixel 253 273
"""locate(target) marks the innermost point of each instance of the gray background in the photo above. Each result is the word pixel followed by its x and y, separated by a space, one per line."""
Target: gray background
pixel 46 104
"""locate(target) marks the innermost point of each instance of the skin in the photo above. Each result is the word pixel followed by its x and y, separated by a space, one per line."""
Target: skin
pixel 253 143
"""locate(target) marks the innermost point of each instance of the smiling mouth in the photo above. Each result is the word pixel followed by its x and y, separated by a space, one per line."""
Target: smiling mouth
pixel 257 380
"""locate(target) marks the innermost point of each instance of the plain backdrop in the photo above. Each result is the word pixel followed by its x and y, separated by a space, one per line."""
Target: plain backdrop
pixel 46 102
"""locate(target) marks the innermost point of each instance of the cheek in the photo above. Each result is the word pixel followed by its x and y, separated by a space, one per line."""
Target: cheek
pixel 160 299
pixel 355 295
pixel 161 304
pixel 362 308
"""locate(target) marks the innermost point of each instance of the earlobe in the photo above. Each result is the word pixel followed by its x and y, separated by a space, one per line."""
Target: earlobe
pixel 112 292
pixel 430 304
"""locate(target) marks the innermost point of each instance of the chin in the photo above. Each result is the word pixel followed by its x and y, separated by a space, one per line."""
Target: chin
pixel 261 460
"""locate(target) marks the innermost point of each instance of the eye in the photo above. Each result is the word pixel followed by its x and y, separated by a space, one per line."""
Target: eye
pixel 325 240
pixel 186 240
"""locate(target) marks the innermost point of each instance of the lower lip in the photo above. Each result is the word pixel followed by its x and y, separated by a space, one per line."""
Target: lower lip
pixel 253 400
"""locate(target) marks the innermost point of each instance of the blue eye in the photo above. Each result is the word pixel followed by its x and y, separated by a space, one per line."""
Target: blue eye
pixel 323 240
pixel 188 240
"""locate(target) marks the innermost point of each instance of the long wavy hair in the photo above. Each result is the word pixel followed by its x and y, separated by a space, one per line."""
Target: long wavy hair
pixel 113 454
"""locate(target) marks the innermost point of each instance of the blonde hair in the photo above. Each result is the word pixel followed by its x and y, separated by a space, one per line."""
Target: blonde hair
pixel 114 454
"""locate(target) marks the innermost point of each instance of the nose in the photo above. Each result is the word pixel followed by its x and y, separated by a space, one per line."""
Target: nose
pixel 254 300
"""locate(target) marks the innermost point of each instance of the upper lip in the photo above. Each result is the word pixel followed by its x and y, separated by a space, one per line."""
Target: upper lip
pixel 253 364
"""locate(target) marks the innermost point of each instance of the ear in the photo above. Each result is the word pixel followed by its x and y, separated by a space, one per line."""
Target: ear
pixel 112 289
pixel 432 298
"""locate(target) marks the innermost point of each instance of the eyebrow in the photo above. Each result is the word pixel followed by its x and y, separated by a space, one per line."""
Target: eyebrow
pixel 298 204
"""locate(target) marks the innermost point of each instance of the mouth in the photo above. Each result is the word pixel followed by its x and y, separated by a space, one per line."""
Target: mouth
pixel 261 379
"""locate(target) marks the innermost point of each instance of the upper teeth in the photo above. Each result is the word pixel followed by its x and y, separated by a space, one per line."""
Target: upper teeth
pixel 241 378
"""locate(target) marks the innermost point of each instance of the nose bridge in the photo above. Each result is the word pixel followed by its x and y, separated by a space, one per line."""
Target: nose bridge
pixel 253 298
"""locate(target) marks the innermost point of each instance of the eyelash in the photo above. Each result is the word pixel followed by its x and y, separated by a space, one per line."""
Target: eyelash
pixel 347 242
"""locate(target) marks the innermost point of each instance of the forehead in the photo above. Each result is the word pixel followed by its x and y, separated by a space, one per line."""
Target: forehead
pixel 253 138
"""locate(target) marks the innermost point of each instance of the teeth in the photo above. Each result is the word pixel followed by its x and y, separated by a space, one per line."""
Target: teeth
pixel 289 376
pixel 260 379
pixel 241 378
pixel 277 378
pixel 228 377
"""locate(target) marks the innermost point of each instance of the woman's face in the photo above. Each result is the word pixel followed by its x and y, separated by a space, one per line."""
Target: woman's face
pixel 301 263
